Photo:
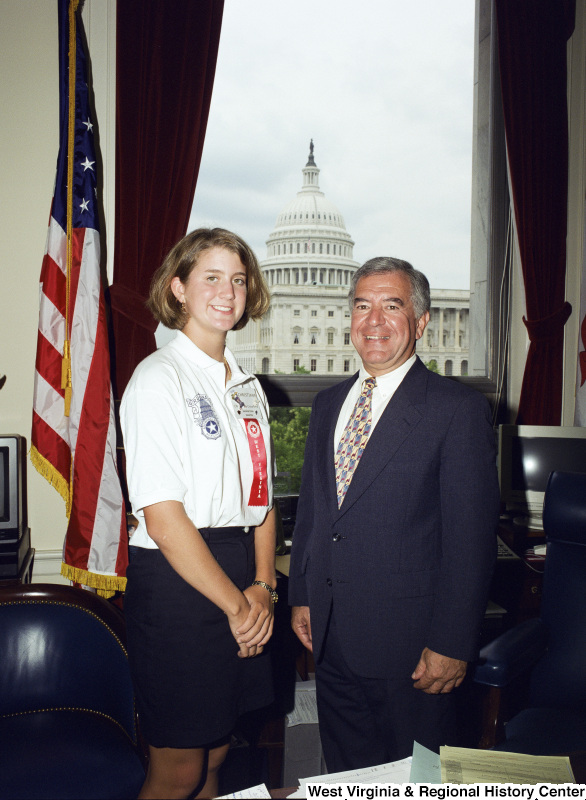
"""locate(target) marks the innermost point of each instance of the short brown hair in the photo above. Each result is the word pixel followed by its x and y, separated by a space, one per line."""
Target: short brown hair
pixel 181 260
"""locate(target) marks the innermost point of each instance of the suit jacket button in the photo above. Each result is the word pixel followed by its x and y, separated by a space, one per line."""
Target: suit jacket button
pixel 336 537
pixel 329 581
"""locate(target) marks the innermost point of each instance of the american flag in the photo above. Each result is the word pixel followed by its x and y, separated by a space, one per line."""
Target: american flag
pixel 73 431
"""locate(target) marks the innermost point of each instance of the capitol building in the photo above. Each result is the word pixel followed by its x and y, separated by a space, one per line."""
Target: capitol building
pixel 308 269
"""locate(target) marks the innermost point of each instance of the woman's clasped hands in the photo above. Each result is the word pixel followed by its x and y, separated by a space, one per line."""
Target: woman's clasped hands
pixel 253 625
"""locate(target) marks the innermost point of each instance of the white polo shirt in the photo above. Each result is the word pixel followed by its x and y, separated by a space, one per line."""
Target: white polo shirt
pixel 185 438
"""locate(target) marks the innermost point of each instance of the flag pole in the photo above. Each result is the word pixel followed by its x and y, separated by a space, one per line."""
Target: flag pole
pixel 66 363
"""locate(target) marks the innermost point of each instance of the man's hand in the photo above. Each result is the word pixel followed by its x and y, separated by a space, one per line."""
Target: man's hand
pixel 437 674
pixel 301 624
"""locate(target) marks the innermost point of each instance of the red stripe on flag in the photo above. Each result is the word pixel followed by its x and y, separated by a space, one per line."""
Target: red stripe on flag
pixel 54 282
pixel 51 446
pixel 48 363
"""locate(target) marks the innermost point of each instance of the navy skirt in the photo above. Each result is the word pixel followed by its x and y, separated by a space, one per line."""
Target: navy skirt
pixel 189 682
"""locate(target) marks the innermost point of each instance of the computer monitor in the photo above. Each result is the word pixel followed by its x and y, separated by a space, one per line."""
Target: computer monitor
pixel 13 506
pixel 527 456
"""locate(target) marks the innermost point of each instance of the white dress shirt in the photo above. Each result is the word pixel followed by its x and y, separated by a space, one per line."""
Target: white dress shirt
pixel 386 386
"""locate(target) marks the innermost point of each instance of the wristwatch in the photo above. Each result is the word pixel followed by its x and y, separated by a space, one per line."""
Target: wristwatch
pixel 270 590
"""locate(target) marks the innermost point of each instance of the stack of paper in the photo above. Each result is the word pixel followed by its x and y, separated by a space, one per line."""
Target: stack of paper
pixel 462 765
pixel 453 765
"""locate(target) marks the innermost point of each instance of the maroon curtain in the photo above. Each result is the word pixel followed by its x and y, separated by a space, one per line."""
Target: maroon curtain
pixel 165 65
pixel 532 55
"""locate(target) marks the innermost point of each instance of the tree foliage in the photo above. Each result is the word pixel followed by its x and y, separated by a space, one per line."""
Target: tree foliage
pixel 289 428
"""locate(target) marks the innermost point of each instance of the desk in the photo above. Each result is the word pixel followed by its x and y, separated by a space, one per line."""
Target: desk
pixel 577 760
pixel 283 564
pixel 25 571
pixel 516 584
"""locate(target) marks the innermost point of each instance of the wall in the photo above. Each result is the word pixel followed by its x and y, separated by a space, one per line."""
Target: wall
pixel 29 134
pixel 29 131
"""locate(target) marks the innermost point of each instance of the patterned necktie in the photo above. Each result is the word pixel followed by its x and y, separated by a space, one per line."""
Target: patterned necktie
pixel 354 439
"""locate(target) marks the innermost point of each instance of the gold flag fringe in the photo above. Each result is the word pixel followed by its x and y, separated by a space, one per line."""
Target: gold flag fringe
pixel 105 585
pixel 55 478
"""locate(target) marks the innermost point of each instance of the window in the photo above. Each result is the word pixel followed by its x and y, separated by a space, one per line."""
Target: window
pixel 295 364
pixel 265 365
pixel 314 312
pixel 313 340
pixel 489 200
pixel 330 337
pixel 448 367
pixel 346 337
pixel 346 365
pixel 330 313
pixel 330 364
pixel 296 339
pixel 313 367
pixel 464 368
pixel 296 312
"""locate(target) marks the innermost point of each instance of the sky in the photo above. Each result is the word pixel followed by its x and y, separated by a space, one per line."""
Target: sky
pixel 385 90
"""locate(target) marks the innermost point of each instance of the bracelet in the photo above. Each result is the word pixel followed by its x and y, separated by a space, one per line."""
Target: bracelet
pixel 270 590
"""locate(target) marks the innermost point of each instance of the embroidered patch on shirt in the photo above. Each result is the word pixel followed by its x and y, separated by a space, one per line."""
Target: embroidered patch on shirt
pixel 204 415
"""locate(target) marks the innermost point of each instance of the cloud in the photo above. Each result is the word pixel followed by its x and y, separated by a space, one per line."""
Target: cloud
pixel 384 90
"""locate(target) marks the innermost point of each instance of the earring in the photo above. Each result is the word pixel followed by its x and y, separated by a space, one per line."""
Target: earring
pixel 183 308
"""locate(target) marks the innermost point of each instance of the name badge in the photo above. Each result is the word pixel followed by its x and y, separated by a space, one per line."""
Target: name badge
pixel 245 404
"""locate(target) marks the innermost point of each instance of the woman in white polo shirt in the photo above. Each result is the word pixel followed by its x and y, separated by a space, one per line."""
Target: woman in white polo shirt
pixel 200 593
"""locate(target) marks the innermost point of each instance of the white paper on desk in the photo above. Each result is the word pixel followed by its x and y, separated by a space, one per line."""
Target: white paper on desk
pixel 465 765
pixel 252 793
pixel 393 772
pixel 426 765
pixel 305 709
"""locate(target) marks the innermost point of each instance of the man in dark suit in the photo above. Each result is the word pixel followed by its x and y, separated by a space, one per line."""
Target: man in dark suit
pixel 394 542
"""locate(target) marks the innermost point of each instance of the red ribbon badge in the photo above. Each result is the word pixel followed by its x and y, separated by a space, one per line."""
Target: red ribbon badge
pixel 259 495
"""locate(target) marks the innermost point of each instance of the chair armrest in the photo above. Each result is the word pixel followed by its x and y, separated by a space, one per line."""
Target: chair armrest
pixel 511 654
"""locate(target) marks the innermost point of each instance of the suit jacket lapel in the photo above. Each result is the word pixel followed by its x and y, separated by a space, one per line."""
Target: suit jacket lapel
pixel 327 421
pixel 396 423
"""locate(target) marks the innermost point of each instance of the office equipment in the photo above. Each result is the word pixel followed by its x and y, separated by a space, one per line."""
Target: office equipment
pixel 287 504
pixel 13 506
pixel 551 650
pixel 16 554
pixel 67 718
pixel 527 456
pixel 504 551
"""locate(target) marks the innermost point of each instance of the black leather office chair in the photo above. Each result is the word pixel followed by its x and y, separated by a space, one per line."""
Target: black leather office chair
pixel 550 650
pixel 67 720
